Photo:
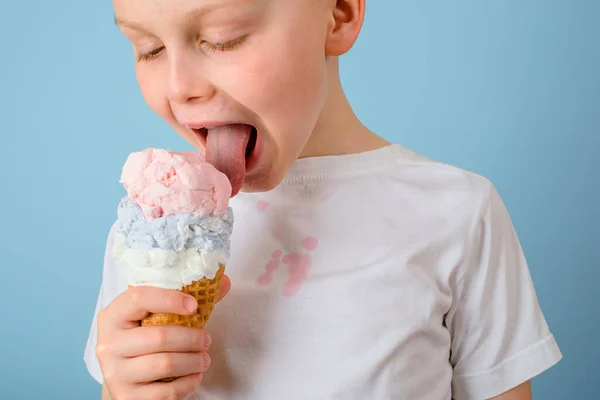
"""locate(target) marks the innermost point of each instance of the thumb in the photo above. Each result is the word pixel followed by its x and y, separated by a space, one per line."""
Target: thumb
pixel 225 287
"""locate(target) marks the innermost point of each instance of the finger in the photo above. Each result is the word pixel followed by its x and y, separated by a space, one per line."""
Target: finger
pixel 136 303
pixel 158 339
pixel 225 287
pixel 153 367
pixel 181 388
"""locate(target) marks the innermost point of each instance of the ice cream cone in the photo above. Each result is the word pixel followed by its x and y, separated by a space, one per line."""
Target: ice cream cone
pixel 174 229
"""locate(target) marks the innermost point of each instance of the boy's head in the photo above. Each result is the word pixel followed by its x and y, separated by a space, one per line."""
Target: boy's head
pixel 267 66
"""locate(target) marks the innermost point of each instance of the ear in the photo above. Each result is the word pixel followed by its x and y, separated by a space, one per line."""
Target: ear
pixel 347 17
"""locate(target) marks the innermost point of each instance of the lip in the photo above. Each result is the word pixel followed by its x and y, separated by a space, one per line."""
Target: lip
pixel 199 130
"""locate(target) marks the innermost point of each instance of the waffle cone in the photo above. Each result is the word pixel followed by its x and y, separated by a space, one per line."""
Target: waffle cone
pixel 205 291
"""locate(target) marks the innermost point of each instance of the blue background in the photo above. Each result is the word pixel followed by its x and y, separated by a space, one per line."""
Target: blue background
pixel 509 89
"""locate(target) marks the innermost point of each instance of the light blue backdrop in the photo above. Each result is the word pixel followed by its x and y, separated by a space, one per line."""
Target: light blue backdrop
pixel 509 89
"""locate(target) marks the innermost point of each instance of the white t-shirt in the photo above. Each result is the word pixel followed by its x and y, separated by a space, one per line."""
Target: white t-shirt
pixel 380 275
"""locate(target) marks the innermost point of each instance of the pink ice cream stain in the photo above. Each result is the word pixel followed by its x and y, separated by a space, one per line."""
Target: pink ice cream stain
pixel 261 206
pixel 310 243
pixel 299 265
pixel 267 276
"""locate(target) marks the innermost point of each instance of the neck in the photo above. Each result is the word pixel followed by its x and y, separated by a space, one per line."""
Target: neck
pixel 338 130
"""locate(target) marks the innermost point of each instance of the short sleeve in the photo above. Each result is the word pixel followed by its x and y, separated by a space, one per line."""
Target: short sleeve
pixel 500 337
pixel 112 285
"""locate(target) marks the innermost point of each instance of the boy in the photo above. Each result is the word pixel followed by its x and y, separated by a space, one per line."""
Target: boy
pixel 360 269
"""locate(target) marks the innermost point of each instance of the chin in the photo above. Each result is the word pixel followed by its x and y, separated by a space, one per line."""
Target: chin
pixel 262 180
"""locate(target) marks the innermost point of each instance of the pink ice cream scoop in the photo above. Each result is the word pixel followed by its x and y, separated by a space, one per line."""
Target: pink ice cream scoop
pixel 164 183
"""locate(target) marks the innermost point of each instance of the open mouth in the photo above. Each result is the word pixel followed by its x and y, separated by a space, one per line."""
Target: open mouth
pixel 251 148
pixel 202 134
pixel 251 143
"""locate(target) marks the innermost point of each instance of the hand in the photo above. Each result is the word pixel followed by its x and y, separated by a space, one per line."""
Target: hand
pixel 134 358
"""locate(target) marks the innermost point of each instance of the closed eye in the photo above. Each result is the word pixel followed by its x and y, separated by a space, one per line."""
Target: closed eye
pixel 150 54
pixel 224 46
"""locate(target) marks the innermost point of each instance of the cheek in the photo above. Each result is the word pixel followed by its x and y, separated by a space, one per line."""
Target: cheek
pixel 282 80
pixel 297 77
pixel 297 85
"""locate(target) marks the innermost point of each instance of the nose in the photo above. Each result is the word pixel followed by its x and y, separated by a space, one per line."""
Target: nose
pixel 186 81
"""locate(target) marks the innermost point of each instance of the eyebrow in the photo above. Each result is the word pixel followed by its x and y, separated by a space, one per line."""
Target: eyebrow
pixel 190 16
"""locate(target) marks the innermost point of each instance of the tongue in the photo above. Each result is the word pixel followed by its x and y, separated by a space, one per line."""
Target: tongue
pixel 226 151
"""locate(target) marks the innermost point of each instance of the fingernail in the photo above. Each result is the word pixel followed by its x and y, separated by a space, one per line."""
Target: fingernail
pixel 189 303
pixel 206 361
pixel 207 341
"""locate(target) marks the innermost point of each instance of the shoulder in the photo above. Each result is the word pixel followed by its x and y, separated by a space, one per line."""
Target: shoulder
pixel 437 188
pixel 438 177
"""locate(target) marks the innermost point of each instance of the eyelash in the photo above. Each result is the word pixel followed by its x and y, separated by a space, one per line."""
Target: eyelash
pixel 150 55
pixel 224 46
pixel 219 47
